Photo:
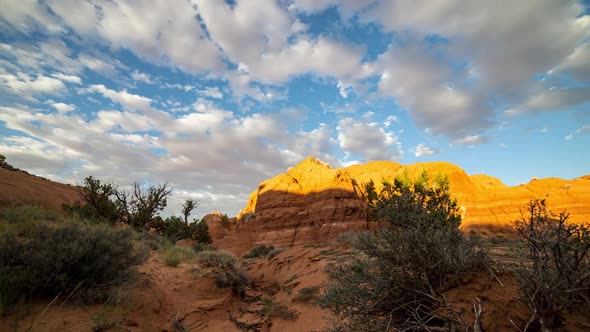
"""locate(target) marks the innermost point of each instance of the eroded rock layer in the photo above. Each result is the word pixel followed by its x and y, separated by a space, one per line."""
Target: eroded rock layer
pixel 313 202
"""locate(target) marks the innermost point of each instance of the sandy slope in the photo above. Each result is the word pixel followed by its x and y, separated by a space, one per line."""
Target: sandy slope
pixel 162 295
pixel 17 187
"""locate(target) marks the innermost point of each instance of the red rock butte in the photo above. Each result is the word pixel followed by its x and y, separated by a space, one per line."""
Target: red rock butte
pixel 313 203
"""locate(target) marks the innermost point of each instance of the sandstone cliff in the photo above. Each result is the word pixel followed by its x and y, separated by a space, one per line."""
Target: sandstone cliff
pixel 313 202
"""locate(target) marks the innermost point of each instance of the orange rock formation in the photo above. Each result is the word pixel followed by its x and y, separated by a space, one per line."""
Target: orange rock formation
pixel 313 202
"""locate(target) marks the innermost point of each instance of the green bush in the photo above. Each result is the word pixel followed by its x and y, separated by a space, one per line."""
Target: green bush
pixel 174 255
pixel 84 260
pixel 98 199
pixel 199 246
pixel 172 259
pixel 260 250
pixel 396 277
pixel 228 273
pixel 175 228
pixel 307 294
pixel 217 259
pixel 199 231
pixel 24 214
pixel 557 276
pixel 225 221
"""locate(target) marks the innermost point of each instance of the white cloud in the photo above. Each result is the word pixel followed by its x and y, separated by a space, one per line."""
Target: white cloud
pixel 63 108
pixel 471 140
pixel 367 140
pixel 580 131
pixel 423 85
pixel 422 150
pixel 211 92
pixel 343 89
pixel 208 147
pixel 129 100
pixel 389 120
pixel 27 15
pixel 552 100
pixel 26 85
pixel 136 75
pixel 97 65
pixel 68 78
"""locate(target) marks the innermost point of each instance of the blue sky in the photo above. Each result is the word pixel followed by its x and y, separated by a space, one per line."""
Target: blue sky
pixel 215 96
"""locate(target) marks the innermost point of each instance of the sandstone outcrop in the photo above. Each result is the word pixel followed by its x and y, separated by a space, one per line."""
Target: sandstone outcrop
pixel 18 187
pixel 313 203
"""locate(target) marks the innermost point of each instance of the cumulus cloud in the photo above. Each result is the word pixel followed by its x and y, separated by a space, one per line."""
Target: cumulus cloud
pixel 26 85
pixel 63 108
pixel 209 152
pixel 486 37
pixel 422 150
pixel 367 140
pixel 167 33
pixel 423 85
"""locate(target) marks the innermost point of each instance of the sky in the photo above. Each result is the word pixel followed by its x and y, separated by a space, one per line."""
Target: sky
pixel 216 96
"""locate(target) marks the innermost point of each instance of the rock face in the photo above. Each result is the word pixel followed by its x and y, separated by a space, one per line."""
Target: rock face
pixel 314 203
pixel 19 187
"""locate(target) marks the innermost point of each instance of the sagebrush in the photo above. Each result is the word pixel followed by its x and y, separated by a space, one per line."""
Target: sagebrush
pixel 396 278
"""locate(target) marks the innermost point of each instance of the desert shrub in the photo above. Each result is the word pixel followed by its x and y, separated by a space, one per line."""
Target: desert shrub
pixel 68 258
pixel 232 277
pixel 228 273
pixel 398 273
pixel 307 294
pixel 558 274
pixel 199 246
pixel 173 259
pixel 26 214
pixel 217 259
pixel 225 221
pixel 200 232
pixel 175 228
pixel 174 255
pixel 273 309
pixel 152 241
pixel 260 250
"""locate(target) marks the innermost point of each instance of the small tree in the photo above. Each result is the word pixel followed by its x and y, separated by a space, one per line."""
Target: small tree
pixel 558 275
pixel 201 232
pixel 175 228
pixel 98 195
pixel 395 280
pixel 143 204
pixel 188 206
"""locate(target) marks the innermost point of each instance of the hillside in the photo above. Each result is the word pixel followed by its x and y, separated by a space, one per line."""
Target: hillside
pixel 19 187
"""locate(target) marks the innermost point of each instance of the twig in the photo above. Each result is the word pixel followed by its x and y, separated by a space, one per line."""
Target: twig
pixel 477 320
pixel 44 310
